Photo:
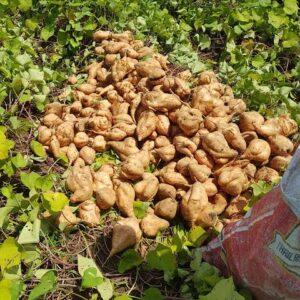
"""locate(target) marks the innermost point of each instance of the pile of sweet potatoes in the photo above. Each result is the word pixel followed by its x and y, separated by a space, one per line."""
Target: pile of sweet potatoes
pixel 206 147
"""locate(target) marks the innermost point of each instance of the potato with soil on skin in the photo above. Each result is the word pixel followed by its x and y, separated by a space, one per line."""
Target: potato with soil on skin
pixel 166 208
pixel 207 77
pixel 89 213
pixel 182 165
pixel 203 158
pixel 125 198
pixel 99 143
pixel 126 233
pixel 210 187
pixel 146 124
pixel 198 172
pixel 147 188
pixel 219 203
pixel 193 202
pixel 281 125
pixel 121 68
pixel 124 148
pixel 258 150
pixel 81 139
pixel 51 120
pixel 189 120
pixel 184 145
pixel 150 68
pixel 280 145
pixel 80 182
pixel 216 145
pixel 250 119
pixel 45 135
pixel 267 174
pixel 65 133
pixel 54 108
pixel 233 180
pixel 151 225
pixel 207 217
pixel 176 85
pixel 234 138
pixel 236 206
pixel 72 153
pixel 66 217
pixel 88 154
pixel 159 101
pixel 105 197
pixel 280 163
pixel 166 191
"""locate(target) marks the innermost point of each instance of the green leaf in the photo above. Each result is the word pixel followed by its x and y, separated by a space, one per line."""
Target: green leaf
pixel 129 259
pixel 290 7
pixel 25 5
pixel 291 39
pixel 162 259
pixel 31 24
pixel 258 61
pixel 151 294
pixel 4 212
pixel 5 146
pixel 54 202
pixel 44 183
pixel 47 32
pixel 30 233
pixel 208 274
pixel 38 149
pixel 140 208
pixel 197 235
pixel 35 75
pixel 123 297
pixel 277 19
pixel 224 290
pixel 10 255
pixel 106 289
pixel 84 264
pixel 10 289
pixel 90 278
pixel 46 285
pixel 23 59
pixel 29 179
pixel 19 161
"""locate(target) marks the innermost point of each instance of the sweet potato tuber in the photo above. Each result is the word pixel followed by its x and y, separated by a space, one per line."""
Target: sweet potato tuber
pixel 80 182
pixel 89 213
pixel 166 208
pixel 146 124
pixel 249 119
pixel 125 197
pixel 279 163
pixel 126 233
pixel 282 125
pixel 147 188
pixel 233 180
pixel 166 191
pixel 193 202
pixel 159 101
pixel 189 120
pixel 280 145
pixel 88 154
pixel 198 172
pixel 151 225
pixel 184 145
pixel 267 174
pixel 258 150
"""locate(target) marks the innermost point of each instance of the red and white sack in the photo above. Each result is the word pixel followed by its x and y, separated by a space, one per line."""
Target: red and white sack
pixel 262 251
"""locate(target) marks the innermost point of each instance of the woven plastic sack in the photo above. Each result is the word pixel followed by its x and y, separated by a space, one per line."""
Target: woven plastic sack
pixel 262 251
